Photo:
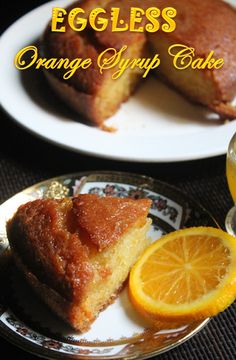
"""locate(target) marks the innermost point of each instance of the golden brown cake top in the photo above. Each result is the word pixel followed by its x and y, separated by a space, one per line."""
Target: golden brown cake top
pixel 208 25
pixel 89 44
pixel 103 220
pixel 49 237
pixel 204 25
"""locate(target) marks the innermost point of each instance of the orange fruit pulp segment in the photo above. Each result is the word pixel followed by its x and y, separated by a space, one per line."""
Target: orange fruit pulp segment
pixel 189 274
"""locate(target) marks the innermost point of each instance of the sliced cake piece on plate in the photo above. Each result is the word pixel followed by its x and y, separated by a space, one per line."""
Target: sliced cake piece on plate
pixel 77 253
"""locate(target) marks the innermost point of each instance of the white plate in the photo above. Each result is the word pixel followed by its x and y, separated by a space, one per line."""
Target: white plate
pixel 155 125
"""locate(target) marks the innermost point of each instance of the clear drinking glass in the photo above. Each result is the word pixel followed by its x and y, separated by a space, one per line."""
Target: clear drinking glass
pixel 230 221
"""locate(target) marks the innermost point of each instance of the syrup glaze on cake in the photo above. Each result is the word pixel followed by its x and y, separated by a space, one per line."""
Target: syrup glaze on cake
pixel 75 253
pixel 205 26
pixel 103 220
pixel 94 95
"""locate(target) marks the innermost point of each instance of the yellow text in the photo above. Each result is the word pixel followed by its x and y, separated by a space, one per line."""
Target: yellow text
pixel 139 20
pixel 184 57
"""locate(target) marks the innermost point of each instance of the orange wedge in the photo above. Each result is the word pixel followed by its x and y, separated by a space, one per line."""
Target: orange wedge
pixel 185 276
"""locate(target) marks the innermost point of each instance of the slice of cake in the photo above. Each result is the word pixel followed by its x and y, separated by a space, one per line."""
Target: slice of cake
pixel 76 253
pixel 206 26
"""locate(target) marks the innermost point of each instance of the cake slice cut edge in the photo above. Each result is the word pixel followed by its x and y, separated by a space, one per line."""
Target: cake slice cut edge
pixel 102 273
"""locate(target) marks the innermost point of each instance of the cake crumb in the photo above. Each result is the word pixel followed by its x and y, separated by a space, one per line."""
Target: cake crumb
pixel 107 128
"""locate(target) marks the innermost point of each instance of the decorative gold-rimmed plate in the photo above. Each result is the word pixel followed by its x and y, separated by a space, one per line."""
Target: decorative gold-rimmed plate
pixel 119 332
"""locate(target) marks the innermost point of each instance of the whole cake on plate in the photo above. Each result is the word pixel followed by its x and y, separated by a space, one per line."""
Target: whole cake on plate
pixel 206 26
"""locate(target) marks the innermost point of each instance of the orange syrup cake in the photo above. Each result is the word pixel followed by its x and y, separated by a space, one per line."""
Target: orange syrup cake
pixel 207 27
pixel 94 95
pixel 77 252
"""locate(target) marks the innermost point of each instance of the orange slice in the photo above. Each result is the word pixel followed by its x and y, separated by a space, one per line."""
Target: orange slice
pixel 187 275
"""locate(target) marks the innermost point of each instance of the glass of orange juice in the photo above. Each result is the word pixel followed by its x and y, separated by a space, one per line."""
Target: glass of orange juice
pixel 230 222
